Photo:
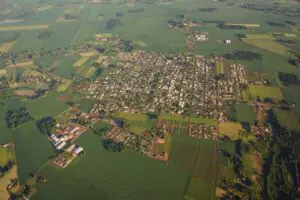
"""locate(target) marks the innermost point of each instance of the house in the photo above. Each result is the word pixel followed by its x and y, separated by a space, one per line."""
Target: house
pixel 70 148
pixel 77 151
pixel 61 145
pixel 227 41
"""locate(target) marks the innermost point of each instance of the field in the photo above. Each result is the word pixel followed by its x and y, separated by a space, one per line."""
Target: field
pixel 65 67
pixel 269 45
pixel 230 129
pixel 81 61
pixel 220 67
pixel 265 92
pixel 246 25
pixel 137 123
pixel 22 28
pixel 6 154
pixel 5 47
pixel 201 120
pixel 287 119
pixel 244 113
pixel 25 92
pixel 118 179
pixel 48 105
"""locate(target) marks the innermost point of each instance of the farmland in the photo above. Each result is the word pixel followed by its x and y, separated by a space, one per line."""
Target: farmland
pixel 264 92
pixel 244 113
pixel 22 28
pixel 287 119
pixel 230 129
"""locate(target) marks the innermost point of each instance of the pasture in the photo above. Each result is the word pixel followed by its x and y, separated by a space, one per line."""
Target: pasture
pixel 287 119
pixel 265 92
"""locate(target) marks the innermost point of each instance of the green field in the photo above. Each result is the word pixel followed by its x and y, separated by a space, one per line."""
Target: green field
pixel 111 177
pixel 65 67
pixel 287 119
pixel 244 113
pixel 136 123
pixel 48 105
pixel 6 154
pixel 264 92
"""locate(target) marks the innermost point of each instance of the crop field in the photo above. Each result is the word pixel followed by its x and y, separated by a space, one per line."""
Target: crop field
pixel 48 105
pixel 220 67
pixel 292 95
pixel 201 120
pixel 6 154
pixel 5 47
pixel 198 189
pixel 87 71
pixel 263 92
pixel 65 67
pixel 245 113
pixel 118 179
pixel 230 129
pixel 269 45
pixel 64 86
pixel 81 61
pixel 22 28
pixel 198 158
pixel 246 25
pixel 287 119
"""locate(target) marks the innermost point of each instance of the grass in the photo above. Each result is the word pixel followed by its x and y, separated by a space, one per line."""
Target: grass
pixel 22 28
pixel 263 92
pixel 287 119
pixel 6 154
pixel 230 129
pixel 48 105
pixel 132 116
pixel 244 113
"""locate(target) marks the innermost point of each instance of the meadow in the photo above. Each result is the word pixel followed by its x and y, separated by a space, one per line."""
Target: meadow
pixel 230 129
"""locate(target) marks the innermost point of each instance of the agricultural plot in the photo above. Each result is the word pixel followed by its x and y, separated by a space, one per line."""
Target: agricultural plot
pixel 64 86
pixel 244 113
pixel 85 33
pixel 198 189
pixel 65 68
pixel 269 45
pixel 265 92
pixel 230 129
pixel 201 120
pixel 38 108
pixel 246 25
pixel 287 119
pixel 23 28
pixel 5 47
pixel 81 61
pixel 7 155
pixel 220 67
pixel 87 71
pixel 119 178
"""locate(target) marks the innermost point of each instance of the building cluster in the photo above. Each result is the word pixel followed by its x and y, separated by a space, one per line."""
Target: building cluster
pixel 63 160
pixel 146 82
pixel 229 88
pixel 64 134
pixel 202 131
pixel 201 36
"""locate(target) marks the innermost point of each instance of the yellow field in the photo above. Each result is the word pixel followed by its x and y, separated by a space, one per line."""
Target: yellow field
pixel 103 35
pixel 4 181
pixel 90 72
pixel 246 25
pixel 269 45
pixel 230 129
pixel 5 47
pixel 81 61
pixel 87 54
pixel 22 28
pixel 24 64
pixel 63 87
pixel 260 36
